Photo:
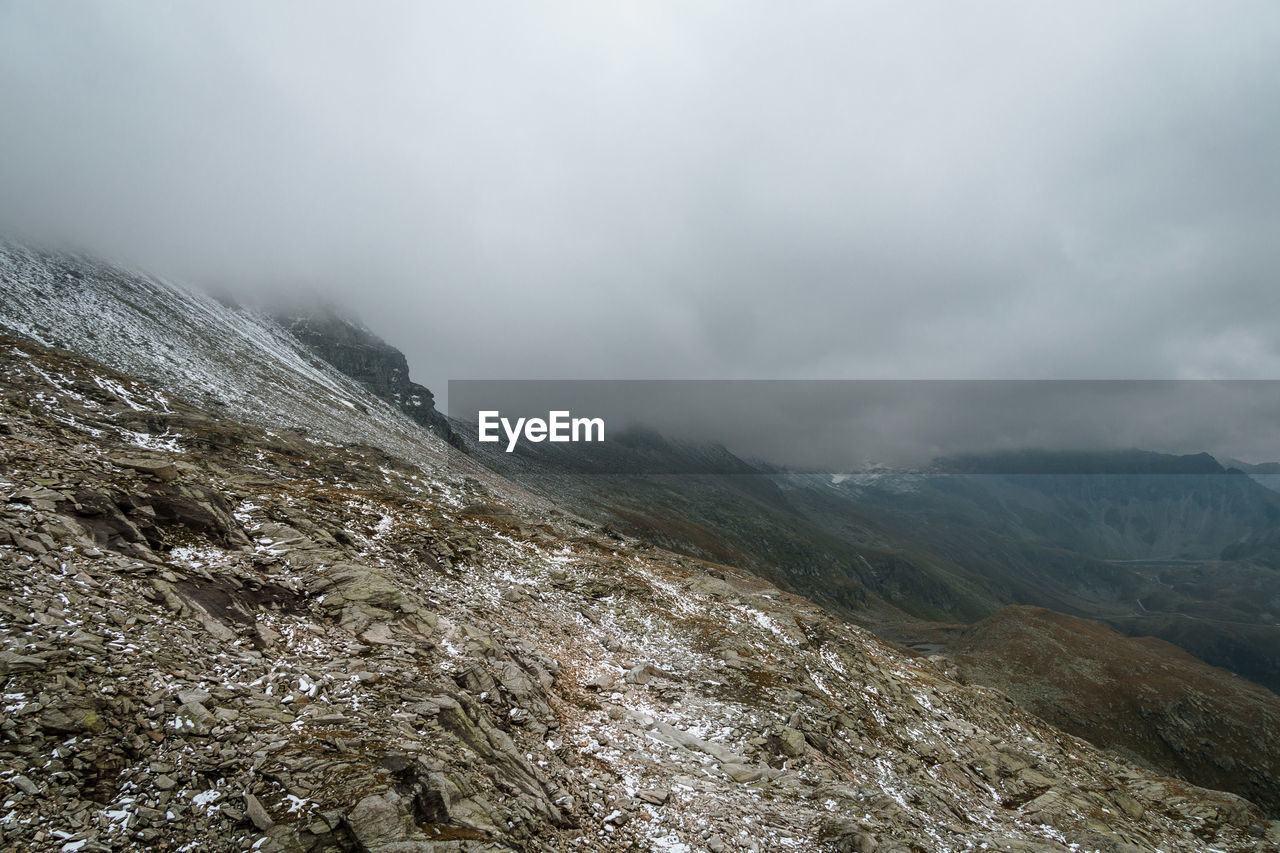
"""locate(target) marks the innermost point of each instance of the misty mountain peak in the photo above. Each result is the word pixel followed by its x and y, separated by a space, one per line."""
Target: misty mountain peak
pixel 343 341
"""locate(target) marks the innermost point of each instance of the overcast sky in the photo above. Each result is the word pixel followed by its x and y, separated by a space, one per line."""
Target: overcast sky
pixel 684 189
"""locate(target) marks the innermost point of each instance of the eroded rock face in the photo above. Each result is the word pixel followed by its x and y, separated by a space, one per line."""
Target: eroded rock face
pixel 299 646
pixel 369 360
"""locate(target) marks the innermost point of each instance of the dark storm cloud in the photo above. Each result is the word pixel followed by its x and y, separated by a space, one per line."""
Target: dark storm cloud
pixel 683 189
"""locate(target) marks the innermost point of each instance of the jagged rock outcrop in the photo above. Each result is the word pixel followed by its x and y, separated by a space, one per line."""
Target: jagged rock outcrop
pixel 318 647
pixel 360 354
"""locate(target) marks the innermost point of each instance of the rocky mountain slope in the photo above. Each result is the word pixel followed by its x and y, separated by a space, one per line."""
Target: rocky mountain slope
pixel 358 353
pixel 220 635
pixel 1142 697
pixel 928 541
pixel 188 344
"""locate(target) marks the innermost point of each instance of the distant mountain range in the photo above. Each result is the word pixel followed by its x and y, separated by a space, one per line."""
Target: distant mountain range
pixel 1175 546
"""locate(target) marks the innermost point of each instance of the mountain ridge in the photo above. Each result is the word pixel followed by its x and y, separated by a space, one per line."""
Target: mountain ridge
pixel 377 366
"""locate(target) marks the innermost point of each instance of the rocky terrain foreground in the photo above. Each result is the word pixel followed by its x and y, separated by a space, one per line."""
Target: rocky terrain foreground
pixel 218 636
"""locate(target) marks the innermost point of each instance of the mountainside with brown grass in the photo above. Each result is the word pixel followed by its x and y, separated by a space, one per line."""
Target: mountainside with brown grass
pixel 1141 696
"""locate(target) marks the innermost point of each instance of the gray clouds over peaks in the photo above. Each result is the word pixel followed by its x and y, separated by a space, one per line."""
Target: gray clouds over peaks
pixel 708 189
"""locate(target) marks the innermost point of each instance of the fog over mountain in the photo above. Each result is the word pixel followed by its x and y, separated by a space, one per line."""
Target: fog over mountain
pixel 681 190
pixel 841 426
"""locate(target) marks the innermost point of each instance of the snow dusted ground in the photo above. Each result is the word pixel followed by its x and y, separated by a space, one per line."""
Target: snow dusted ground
pixel 226 359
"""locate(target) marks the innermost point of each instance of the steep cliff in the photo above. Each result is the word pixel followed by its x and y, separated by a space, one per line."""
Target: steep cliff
pixel 360 354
